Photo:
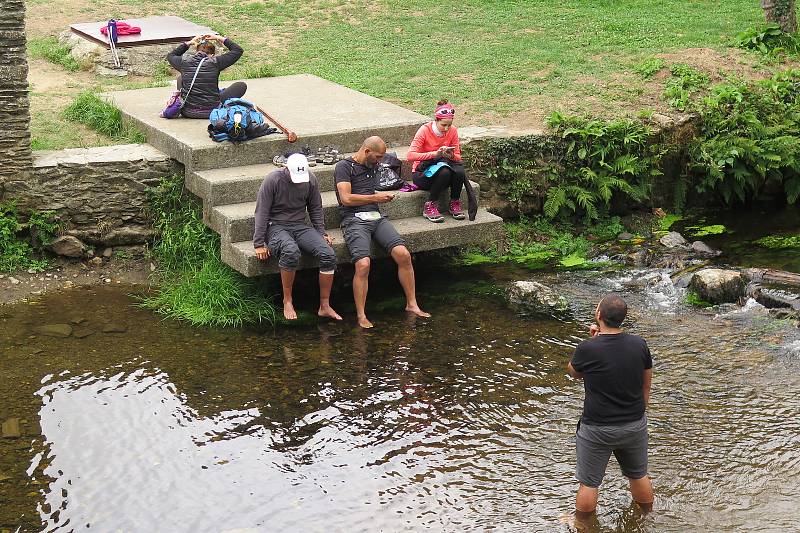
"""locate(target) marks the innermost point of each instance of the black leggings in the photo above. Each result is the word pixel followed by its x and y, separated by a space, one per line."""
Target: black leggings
pixel 235 90
pixel 452 177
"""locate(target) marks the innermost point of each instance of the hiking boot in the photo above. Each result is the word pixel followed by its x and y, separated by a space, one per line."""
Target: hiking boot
pixel 455 210
pixel 431 212
pixel 279 160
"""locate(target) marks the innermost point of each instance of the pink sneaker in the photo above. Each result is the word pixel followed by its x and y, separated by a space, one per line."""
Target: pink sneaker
pixel 431 212
pixel 455 210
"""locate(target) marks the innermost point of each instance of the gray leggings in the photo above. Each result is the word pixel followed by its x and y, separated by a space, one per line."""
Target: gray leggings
pixel 288 240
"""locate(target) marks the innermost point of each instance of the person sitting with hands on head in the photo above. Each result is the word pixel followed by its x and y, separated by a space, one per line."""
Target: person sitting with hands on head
pixel 362 222
pixel 436 155
pixel 200 73
pixel 283 199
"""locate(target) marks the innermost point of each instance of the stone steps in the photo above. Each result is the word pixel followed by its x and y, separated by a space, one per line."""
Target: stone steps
pixel 420 235
pixel 236 222
pixel 240 184
pixel 227 176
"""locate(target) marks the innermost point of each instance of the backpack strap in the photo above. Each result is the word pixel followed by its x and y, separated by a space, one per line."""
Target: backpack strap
pixel 196 72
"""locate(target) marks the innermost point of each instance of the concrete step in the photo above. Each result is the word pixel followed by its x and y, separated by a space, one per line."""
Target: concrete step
pixel 240 184
pixel 320 112
pixel 420 235
pixel 236 222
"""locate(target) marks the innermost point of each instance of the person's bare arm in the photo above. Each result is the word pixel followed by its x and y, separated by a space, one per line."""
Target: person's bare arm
pixel 648 381
pixel 574 373
pixel 347 198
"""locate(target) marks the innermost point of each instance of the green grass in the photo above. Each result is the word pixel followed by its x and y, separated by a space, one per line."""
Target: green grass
pixel 89 109
pixel 195 285
pixel 50 49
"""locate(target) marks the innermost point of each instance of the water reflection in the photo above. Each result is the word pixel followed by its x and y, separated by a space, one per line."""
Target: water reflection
pixel 462 423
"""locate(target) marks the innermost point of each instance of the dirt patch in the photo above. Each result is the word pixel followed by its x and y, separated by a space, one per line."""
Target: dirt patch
pixel 732 62
pixel 69 274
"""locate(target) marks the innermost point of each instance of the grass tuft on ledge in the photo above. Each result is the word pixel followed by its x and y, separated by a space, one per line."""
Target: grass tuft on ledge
pixel 89 109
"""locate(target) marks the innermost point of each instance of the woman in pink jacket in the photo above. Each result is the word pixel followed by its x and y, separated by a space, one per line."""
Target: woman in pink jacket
pixel 436 154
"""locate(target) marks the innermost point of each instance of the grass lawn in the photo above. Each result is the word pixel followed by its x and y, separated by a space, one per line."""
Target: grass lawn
pixel 501 61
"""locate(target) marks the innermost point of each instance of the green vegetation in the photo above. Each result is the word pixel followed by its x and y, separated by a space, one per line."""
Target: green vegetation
pixel 196 286
pixel 50 49
pixel 665 223
pixel 704 231
pixel 89 109
pixel 649 67
pixel 692 298
pixel 538 243
pixel 22 243
pixel 684 83
pixel 779 242
pixel 748 135
pixel 769 40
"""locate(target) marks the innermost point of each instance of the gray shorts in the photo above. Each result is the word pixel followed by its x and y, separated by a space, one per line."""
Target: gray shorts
pixel 358 235
pixel 288 240
pixel 595 444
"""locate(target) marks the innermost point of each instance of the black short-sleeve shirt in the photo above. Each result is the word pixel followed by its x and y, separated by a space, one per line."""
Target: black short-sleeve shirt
pixel 362 179
pixel 613 375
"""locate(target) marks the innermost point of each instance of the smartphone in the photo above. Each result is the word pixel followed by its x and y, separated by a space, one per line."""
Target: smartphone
pixel 448 148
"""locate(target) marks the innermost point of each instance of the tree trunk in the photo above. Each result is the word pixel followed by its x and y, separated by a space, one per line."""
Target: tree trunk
pixel 782 13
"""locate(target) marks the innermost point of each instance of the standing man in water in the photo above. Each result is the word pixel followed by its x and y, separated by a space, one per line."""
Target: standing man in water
pixel 617 371
pixel 362 222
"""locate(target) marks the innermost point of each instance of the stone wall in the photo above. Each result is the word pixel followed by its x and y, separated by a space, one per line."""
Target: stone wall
pixel 98 193
pixel 15 141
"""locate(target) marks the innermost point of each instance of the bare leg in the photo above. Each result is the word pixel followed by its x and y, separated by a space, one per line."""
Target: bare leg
pixel 405 273
pixel 325 309
pixel 642 492
pixel 586 502
pixel 287 282
pixel 360 288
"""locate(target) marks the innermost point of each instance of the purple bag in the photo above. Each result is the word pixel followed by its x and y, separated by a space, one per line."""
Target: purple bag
pixel 174 105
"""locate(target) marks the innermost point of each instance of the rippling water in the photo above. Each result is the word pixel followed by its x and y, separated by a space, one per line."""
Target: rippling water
pixel 461 423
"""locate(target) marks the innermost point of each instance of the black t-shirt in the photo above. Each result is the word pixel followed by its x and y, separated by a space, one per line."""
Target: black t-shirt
pixel 362 179
pixel 613 375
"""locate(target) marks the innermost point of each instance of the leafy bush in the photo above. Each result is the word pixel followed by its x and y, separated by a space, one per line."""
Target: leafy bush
pixel 748 135
pixel 779 242
pixel 196 285
pixel 21 242
pixel 769 40
pixel 649 67
pixel 88 108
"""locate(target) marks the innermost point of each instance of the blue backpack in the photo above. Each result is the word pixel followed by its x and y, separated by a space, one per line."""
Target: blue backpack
pixel 237 120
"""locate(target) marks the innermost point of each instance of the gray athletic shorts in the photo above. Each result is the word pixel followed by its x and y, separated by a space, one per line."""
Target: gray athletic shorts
pixel 358 235
pixel 595 444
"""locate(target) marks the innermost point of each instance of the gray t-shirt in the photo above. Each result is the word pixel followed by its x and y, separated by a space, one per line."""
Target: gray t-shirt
pixel 282 200
pixel 362 179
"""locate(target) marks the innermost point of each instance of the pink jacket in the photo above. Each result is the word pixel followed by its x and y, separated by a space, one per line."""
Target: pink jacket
pixel 426 143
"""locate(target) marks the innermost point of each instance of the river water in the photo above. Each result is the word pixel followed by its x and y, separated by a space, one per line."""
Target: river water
pixel 463 422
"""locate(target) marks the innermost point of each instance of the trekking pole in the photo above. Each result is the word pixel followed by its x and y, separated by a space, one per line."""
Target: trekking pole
pixel 290 135
pixel 112 41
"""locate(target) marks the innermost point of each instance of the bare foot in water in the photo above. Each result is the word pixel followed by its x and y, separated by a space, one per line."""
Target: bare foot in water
pixel 364 323
pixel 417 311
pixel 328 312
pixel 288 311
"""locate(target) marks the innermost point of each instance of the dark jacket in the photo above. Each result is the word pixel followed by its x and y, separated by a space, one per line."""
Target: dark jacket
pixel 205 92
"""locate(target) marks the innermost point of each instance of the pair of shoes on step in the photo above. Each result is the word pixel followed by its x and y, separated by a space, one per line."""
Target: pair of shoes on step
pixel 328 155
pixel 431 211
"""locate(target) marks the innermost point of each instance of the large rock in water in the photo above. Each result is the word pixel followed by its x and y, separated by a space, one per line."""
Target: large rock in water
pixel 673 239
pixel 718 286
pixel 530 297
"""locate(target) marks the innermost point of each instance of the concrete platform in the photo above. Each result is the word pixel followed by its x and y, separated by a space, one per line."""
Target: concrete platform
pixel 236 222
pixel 320 112
pixel 420 235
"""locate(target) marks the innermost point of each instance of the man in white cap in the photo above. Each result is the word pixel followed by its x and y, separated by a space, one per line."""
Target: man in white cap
pixel 281 230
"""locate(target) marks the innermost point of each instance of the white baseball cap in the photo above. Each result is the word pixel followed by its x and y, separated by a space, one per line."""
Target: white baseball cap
pixel 298 168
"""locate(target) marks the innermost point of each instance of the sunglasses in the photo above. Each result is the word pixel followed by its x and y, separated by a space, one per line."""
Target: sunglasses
pixel 446 112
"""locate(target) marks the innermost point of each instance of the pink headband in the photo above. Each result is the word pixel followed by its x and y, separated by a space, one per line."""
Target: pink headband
pixel 444 111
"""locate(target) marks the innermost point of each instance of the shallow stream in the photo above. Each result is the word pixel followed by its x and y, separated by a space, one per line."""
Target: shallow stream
pixel 464 422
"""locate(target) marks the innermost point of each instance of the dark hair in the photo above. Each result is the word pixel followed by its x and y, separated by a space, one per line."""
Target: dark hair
pixel 207 47
pixel 441 102
pixel 613 310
